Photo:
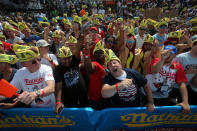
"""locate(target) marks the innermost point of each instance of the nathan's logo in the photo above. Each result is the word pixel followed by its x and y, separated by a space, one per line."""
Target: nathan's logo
pixel 33 81
pixel 36 121
pixel 143 119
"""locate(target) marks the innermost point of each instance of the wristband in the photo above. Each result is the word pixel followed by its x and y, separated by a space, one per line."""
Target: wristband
pixel 117 87
pixel 42 94
pixel 58 102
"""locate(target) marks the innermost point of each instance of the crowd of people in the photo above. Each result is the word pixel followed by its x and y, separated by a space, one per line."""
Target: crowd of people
pixel 100 59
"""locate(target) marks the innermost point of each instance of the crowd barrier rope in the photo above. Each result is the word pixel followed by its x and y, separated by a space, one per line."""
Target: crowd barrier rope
pixel 87 119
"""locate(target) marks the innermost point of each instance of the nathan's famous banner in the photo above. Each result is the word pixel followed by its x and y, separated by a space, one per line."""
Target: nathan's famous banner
pixel 111 119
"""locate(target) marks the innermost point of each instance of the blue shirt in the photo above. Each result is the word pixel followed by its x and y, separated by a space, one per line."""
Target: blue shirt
pixel 29 41
pixel 161 39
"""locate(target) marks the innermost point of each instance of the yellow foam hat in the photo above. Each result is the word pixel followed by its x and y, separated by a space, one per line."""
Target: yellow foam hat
pixel 54 20
pixel 2 36
pixel 67 22
pixel 22 26
pixel 56 34
pixel 166 19
pixel 193 21
pixel 162 23
pixel 77 19
pixel 151 22
pixel 137 18
pixel 84 6
pixel 193 29
pixel 8 27
pixel 149 39
pixel 13 23
pixel 45 18
pixel 110 55
pixel 120 20
pixel 131 31
pixel 176 34
pixel 143 24
pixel 27 54
pixel 41 23
pixel 96 22
pixel 11 59
pixel 99 46
pixel 17 47
pixel 72 40
pixel 65 14
pixel 64 52
pixel 84 17
pixel 57 18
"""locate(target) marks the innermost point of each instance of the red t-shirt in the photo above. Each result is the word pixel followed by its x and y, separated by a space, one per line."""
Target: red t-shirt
pixel 161 83
pixel 96 82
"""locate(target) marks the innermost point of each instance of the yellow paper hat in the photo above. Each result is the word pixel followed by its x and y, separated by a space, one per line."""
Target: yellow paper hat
pixel 137 18
pixel 77 19
pixel 193 21
pixel 193 29
pixel 96 22
pixel 57 18
pixel 65 15
pixel 11 59
pixel 56 34
pixel 45 18
pixel 109 55
pixel 2 36
pixel 143 24
pixel 54 20
pixel 67 22
pixel 176 34
pixel 84 17
pixel 149 39
pixel 72 40
pixel 8 27
pixel 64 52
pixel 94 5
pixel 22 26
pixel 27 54
pixel 120 20
pixel 131 31
pixel 13 23
pixel 17 47
pixel 41 23
pixel 99 46
pixel 162 23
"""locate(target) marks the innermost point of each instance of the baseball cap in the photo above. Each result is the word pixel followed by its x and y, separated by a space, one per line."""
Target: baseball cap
pixel 42 43
pixel 174 49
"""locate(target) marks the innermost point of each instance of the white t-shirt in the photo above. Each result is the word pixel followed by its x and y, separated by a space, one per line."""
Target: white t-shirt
pixel 26 81
pixel 139 41
pixel 46 62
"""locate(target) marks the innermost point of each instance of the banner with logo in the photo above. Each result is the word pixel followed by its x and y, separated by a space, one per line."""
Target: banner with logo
pixel 86 119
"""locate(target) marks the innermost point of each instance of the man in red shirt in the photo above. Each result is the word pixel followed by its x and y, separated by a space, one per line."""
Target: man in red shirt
pixel 162 76
pixel 96 71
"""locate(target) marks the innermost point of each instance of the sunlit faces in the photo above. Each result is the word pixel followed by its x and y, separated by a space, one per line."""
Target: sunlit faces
pixel 115 68
pixel 66 62
pixel 99 56
pixel 27 64
pixel 130 42
pixel 26 32
pixel 109 43
pixel 72 46
pixel 56 40
pixel 2 66
pixel 9 33
pixel 163 29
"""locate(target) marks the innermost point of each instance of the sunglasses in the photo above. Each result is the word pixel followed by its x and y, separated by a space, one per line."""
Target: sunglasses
pixel 163 27
pixel 131 42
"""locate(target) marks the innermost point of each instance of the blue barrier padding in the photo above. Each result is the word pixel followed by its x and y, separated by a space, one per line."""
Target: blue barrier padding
pixel 87 119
